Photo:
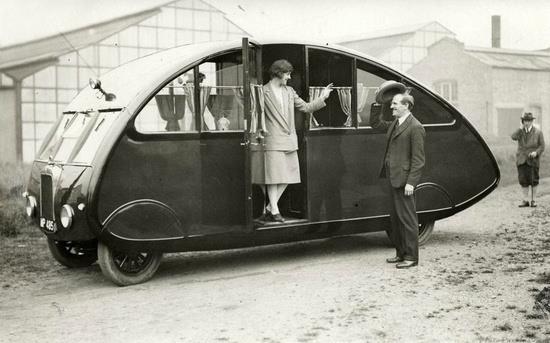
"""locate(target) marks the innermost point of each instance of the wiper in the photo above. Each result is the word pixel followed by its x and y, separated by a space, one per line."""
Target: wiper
pixel 103 110
pixel 70 121
pixel 98 125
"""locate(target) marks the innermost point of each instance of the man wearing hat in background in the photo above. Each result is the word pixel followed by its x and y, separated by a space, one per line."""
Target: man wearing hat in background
pixel 402 166
pixel 530 147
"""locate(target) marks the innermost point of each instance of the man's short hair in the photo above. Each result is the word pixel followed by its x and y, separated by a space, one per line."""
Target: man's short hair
pixel 407 99
pixel 279 67
pixel 201 77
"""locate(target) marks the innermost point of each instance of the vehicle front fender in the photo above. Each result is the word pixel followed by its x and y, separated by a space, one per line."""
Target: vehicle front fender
pixel 144 220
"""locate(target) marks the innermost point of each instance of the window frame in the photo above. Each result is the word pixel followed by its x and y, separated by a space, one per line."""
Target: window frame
pixel 419 88
pixel 353 88
pixel 199 130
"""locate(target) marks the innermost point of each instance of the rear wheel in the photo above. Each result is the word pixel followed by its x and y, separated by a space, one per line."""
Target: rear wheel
pixel 73 254
pixel 425 230
pixel 127 268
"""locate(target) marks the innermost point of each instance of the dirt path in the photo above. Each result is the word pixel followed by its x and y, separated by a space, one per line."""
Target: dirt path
pixel 476 282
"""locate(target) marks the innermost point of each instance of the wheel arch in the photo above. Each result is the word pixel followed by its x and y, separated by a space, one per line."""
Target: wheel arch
pixel 432 198
pixel 143 220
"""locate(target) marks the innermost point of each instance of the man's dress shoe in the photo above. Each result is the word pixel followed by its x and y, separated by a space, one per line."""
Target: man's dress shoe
pixel 394 259
pixel 406 264
pixel 524 204
pixel 533 204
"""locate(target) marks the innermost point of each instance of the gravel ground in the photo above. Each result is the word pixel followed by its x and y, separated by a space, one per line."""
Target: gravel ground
pixel 479 279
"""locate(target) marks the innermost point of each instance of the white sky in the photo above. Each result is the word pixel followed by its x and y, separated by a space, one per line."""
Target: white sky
pixel 525 23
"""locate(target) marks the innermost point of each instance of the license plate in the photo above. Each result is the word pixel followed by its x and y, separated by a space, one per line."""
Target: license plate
pixel 48 225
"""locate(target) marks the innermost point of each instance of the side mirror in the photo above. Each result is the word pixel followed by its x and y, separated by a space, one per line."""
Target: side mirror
pixel 96 84
pixel 109 96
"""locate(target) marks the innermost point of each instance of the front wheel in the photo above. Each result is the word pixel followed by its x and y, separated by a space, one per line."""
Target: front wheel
pixel 73 254
pixel 127 268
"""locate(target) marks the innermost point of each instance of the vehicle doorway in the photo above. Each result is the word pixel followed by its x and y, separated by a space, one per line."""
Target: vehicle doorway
pixel 293 202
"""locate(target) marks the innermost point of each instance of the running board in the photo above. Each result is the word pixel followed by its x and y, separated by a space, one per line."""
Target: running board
pixel 265 225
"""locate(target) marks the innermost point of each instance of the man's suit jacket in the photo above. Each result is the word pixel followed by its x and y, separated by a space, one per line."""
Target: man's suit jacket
pixel 527 143
pixel 280 124
pixel 404 150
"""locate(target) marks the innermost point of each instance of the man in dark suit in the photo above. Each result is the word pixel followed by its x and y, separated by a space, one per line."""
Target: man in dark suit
pixel 402 166
pixel 530 147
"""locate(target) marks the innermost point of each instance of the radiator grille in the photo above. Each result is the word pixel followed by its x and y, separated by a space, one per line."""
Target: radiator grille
pixel 46 197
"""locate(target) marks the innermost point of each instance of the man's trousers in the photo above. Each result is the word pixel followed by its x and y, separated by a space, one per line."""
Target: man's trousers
pixel 404 224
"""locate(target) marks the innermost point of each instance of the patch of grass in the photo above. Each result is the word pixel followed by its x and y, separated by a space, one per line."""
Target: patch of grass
pixel 24 253
pixel 13 219
pixel 13 178
pixel 24 258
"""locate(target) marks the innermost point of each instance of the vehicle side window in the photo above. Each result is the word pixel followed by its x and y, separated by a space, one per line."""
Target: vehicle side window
pixel 171 109
pixel 328 67
pixel 367 86
pixel 221 108
pixel 426 108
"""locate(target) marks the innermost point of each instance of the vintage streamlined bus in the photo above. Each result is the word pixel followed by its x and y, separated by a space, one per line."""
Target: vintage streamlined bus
pixel 156 157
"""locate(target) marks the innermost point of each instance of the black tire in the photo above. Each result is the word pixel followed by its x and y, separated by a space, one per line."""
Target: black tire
pixel 127 268
pixel 425 231
pixel 73 254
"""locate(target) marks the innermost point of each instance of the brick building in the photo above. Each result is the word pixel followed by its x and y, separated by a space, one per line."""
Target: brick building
pixel 491 86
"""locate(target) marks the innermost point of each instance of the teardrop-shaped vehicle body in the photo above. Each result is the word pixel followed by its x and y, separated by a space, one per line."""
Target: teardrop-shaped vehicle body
pixel 170 160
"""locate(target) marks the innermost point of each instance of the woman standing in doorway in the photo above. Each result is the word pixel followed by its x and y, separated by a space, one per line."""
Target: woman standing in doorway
pixel 281 143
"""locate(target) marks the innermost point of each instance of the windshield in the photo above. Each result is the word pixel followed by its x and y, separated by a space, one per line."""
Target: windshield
pixel 77 136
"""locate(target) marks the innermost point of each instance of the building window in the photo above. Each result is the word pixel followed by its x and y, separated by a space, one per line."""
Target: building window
pixel 47 93
pixel 448 90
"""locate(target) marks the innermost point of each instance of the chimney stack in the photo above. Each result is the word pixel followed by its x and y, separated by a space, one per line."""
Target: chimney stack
pixel 495 26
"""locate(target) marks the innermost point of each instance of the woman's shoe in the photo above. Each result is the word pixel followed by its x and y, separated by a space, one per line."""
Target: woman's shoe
pixel 277 218
pixel 265 217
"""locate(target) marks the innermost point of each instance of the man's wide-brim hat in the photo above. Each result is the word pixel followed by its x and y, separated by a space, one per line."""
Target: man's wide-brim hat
pixel 387 91
pixel 527 116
